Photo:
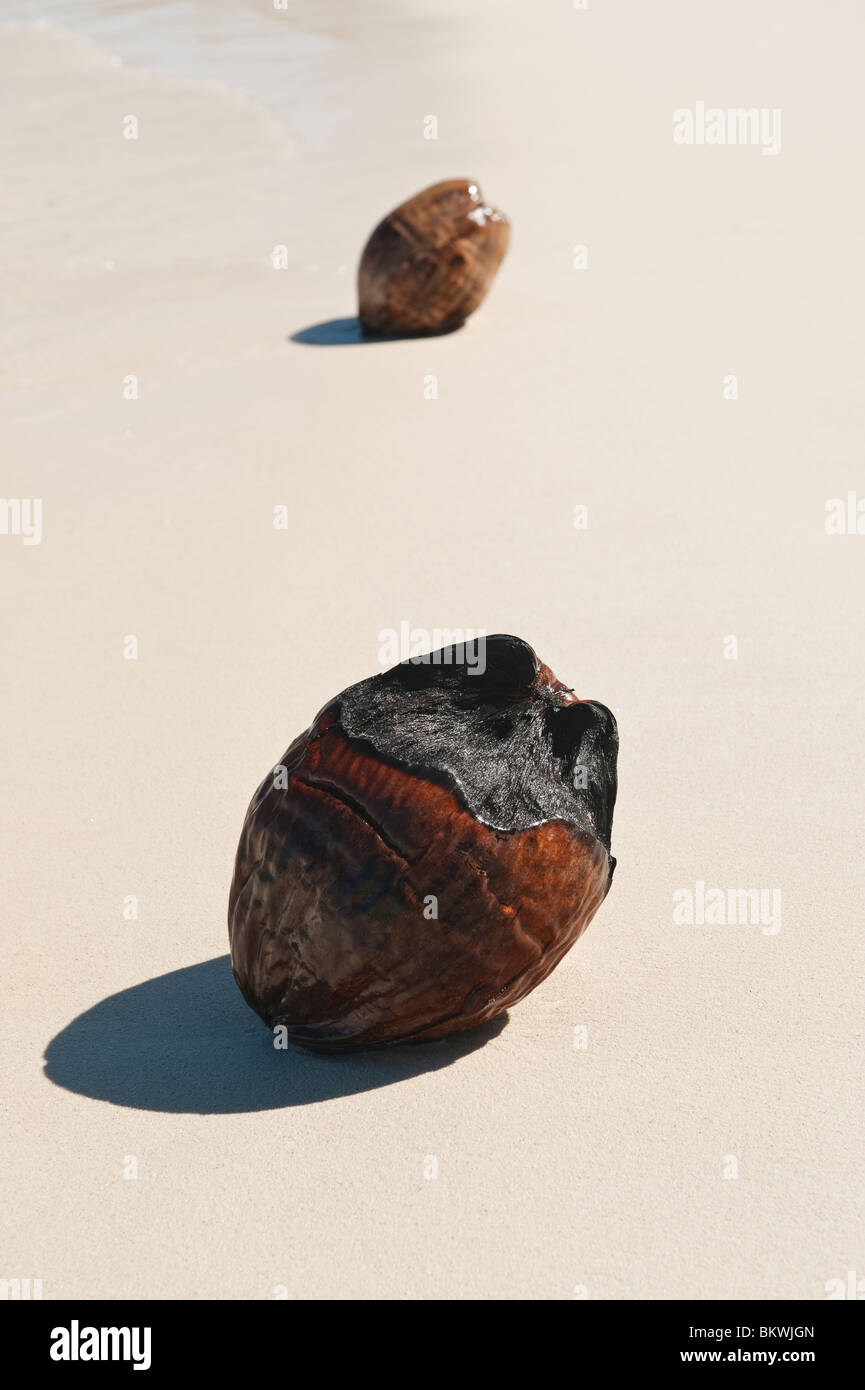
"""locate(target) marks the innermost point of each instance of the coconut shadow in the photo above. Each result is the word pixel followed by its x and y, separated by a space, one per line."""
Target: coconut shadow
pixel 347 332
pixel 186 1043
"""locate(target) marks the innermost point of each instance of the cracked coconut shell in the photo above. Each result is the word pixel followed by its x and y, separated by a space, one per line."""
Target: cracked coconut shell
pixel 427 852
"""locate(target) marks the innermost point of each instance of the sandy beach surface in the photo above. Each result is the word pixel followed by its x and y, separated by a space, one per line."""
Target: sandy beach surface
pixel 677 1111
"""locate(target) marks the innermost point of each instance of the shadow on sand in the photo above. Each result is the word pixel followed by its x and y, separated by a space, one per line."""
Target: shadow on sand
pixel 348 332
pixel 186 1043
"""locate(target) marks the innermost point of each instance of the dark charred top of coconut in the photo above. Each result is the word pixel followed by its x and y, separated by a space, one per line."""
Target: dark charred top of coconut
pixel 489 719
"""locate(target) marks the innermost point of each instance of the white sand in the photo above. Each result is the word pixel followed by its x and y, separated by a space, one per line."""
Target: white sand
pixel 558 1168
